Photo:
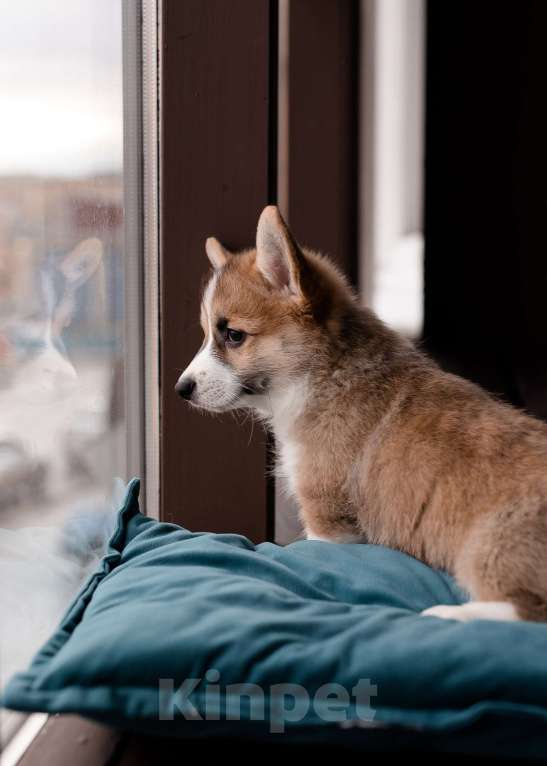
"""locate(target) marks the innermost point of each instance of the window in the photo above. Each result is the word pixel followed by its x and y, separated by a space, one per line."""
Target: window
pixel 64 344
pixel 392 160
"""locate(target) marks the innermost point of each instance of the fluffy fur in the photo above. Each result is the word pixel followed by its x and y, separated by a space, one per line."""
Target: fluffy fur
pixel 375 441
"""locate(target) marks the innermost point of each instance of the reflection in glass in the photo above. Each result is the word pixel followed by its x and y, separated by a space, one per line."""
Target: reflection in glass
pixel 62 434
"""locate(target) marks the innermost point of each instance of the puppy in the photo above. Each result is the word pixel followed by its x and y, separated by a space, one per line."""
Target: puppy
pixel 376 443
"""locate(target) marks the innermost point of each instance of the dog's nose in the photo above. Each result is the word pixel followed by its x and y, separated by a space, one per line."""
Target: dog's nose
pixel 185 387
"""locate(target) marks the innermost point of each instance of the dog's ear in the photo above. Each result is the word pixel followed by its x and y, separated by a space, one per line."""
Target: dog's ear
pixel 278 257
pixel 217 253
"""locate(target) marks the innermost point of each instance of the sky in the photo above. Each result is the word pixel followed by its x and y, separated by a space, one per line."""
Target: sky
pixel 60 87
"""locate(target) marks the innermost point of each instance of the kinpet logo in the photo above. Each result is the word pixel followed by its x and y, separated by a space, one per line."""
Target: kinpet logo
pixel 205 699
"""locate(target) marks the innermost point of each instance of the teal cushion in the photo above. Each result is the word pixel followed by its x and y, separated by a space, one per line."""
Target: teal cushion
pixel 169 607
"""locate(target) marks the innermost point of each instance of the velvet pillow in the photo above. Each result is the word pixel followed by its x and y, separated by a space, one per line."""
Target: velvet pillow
pixel 177 628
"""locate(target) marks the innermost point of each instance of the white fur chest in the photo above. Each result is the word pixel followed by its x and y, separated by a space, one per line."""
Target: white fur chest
pixel 287 464
pixel 285 407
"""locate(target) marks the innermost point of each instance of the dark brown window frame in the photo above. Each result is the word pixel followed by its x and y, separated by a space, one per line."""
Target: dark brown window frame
pixel 217 171
pixel 220 146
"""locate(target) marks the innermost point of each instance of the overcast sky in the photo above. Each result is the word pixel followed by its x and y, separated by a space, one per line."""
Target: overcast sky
pixel 60 87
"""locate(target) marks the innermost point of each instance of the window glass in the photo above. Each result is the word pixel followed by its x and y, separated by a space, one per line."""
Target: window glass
pixel 62 431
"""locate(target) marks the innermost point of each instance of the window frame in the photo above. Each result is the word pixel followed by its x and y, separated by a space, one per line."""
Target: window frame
pixel 186 458
pixel 213 182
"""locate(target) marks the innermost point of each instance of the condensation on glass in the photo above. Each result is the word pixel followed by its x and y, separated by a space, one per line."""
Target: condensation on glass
pixel 62 431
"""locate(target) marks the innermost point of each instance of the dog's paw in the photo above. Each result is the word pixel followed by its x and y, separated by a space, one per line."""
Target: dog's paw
pixel 474 610
pixel 446 612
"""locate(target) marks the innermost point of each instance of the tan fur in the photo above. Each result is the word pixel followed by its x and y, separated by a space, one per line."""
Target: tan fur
pixel 391 449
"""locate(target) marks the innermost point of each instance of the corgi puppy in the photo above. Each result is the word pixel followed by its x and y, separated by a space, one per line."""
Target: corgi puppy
pixel 376 442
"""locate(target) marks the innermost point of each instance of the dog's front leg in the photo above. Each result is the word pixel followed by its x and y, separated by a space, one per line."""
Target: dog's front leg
pixel 327 519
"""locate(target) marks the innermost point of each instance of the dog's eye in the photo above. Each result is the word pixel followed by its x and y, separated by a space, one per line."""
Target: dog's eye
pixel 234 337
